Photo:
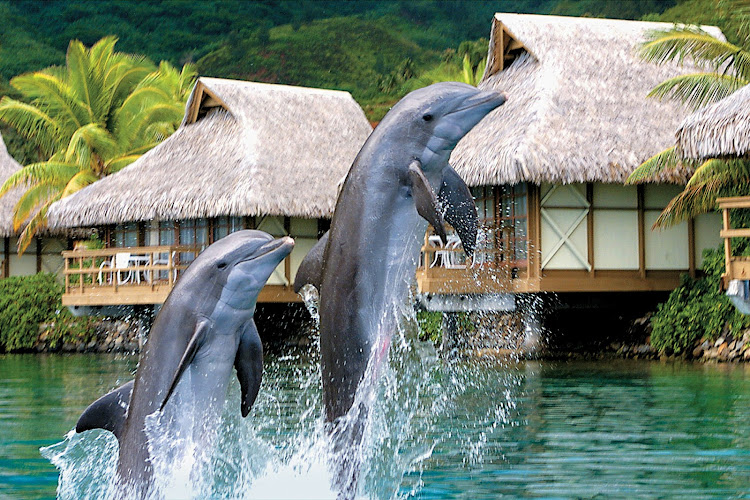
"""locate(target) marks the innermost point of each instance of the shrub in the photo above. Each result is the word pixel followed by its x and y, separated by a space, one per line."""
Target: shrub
pixel 28 301
pixel 25 302
pixel 696 309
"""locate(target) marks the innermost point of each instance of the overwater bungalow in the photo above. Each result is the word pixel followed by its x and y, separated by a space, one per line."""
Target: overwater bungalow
pixel 43 254
pixel 247 155
pixel 548 168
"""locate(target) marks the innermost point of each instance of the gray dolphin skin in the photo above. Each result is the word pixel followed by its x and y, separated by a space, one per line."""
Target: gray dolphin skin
pixel 204 328
pixel 363 267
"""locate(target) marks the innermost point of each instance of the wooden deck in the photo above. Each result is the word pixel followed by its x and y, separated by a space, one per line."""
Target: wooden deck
pixel 737 267
pixel 137 275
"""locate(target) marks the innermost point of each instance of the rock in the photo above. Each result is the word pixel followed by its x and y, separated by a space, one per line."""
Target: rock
pixel 719 341
pixel 746 356
pixel 698 351
pixel 732 345
pixel 91 345
pixel 722 348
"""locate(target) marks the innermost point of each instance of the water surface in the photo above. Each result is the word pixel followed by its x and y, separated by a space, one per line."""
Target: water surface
pixel 628 429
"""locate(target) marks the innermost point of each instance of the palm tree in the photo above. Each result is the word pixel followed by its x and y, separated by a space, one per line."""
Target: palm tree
pixel 90 118
pixel 727 69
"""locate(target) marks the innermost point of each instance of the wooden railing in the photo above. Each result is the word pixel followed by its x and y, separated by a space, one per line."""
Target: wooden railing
pixel 124 276
pixel 446 268
pixel 737 267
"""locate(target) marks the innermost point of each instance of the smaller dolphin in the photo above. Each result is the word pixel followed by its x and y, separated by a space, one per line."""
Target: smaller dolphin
pixel 203 329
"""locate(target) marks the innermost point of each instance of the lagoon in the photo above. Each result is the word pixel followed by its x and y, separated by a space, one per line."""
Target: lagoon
pixel 470 429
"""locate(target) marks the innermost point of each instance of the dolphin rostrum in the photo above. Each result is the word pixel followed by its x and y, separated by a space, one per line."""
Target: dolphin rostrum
pixel 203 329
pixel 363 266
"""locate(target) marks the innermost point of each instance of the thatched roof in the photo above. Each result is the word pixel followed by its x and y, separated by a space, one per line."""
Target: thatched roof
pixel 719 130
pixel 577 109
pixel 243 149
pixel 8 166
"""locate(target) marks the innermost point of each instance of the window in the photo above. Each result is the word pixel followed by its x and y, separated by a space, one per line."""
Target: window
pixel 503 220
pixel 225 225
pixel 126 235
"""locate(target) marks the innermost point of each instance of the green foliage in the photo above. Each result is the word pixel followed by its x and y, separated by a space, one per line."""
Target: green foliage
pixel 431 325
pixel 88 120
pixel 28 301
pixel 698 308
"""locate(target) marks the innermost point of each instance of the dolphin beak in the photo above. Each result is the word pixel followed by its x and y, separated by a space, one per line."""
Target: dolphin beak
pixel 485 100
pixel 285 244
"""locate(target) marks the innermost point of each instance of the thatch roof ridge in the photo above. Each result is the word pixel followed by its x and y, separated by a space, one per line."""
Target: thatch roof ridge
pixel 247 149
pixel 718 130
pixel 8 165
pixel 577 108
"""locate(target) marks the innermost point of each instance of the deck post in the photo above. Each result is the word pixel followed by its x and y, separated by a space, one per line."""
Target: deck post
pixel 727 242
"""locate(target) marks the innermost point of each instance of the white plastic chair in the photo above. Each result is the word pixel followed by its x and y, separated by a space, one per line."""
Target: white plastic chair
pixel 120 263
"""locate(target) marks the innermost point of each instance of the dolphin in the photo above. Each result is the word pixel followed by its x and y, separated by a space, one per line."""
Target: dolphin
pixel 363 266
pixel 203 329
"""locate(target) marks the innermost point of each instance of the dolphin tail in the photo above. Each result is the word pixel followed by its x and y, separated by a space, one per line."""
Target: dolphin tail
pixel 425 200
pixel 202 326
pixel 310 271
pixel 108 412
pixel 461 212
pixel 249 365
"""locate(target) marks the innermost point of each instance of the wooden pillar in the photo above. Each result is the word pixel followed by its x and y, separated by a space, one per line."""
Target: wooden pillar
pixel 141 238
pixel 727 243
pixel 6 257
pixel 641 233
pixel 691 247
pixel 38 242
pixel 590 227
pixel 534 231
pixel 288 258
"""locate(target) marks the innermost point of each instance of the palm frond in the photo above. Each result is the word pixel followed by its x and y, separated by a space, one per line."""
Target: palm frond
pixel 649 170
pixel 89 141
pixel 697 89
pixel 683 42
pixel 30 202
pixel 31 122
pixel 54 97
pixel 700 196
pixel 133 132
pixel 117 164
pixel 48 172
pixel 732 170
pixel 79 181
pixel 35 225
pixel 79 76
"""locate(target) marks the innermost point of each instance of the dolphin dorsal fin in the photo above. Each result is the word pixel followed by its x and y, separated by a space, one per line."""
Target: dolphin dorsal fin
pixel 424 197
pixel 310 271
pixel 249 365
pixel 460 210
pixel 108 412
pixel 202 325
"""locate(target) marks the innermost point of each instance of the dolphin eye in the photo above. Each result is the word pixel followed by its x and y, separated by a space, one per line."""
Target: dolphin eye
pixel 427 117
pixel 221 265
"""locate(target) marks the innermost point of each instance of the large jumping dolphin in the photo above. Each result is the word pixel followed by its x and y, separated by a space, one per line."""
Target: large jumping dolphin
pixel 363 266
pixel 203 329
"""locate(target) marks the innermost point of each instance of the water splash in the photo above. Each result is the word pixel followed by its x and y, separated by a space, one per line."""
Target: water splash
pixel 282 449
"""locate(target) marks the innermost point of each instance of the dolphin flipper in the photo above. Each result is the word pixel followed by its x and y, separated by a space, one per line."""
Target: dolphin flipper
pixel 108 412
pixel 310 271
pixel 249 365
pixel 425 200
pixel 202 325
pixel 461 212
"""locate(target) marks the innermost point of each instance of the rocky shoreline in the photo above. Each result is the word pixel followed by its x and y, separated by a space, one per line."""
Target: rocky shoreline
pixel 121 336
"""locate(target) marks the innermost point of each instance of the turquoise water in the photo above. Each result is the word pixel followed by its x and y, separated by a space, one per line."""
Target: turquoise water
pixel 628 429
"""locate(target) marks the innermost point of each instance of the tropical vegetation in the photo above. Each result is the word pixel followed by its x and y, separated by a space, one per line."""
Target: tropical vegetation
pixel 28 301
pixel 726 68
pixel 87 120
